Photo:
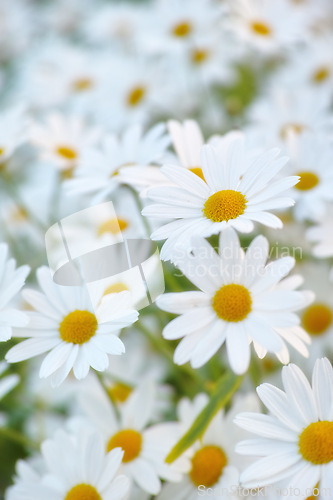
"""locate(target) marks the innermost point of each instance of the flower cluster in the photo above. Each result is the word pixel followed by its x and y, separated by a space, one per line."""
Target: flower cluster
pixel 202 130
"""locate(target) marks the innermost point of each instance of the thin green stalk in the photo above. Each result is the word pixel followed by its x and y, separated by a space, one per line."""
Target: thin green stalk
pixel 19 438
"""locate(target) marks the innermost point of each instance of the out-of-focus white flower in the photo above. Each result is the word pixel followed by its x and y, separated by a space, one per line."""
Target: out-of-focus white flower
pixel 312 160
pixel 240 300
pixel 62 140
pixel 145 447
pixel 13 124
pixel 16 26
pixel 70 324
pixel 11 282
pixel 101 170
pixel 322 236
pixel 8 382
pixel 237 189
pixel 295 439
pixel 215 466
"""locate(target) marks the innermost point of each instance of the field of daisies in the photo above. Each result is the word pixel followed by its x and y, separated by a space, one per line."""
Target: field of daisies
pixel 166 249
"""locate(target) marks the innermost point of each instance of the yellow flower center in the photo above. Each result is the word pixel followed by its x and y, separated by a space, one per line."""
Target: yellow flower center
pixel 115 288
pixel 78 327
pixel 316 442
pixel 317 318
pixel 129 440
pixel 82 84
pixel 182 29
pixel 232 302
pixel 135 96
pixel 296 128
pixel 113 226
pixel 261 28
pixel 224 205
pixel 197 171
pixel 83 492
pixel 1 151
pixel 67 152
pixel 207 466
pixel 19 214
pixel 321 74
pixel 308 180
pixel 119 392
pixel 198 56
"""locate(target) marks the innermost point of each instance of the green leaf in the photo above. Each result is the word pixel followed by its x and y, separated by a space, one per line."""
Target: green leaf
pixel 222 393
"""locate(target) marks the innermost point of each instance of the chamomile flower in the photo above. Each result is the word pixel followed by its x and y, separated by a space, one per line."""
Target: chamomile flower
pixel 8 382
pixel 13 125
pixel 77 329
pixel 215 466
pixel 145 447
pixel 322 237
pixel 77 467
pixel 295 438
pixel 100 170
pixel 11 282
pixel 237 189
pixel 240 300
pixel 311 159
pixel 62 140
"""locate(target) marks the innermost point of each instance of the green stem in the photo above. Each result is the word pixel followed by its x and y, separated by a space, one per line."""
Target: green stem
pixel 109 395
pixel 19 438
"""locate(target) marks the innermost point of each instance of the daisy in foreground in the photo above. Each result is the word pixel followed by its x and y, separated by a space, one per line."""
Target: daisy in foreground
pixel 241 300
pixel 11 282
pixel 77 468
pixel 78 330
pixel 296 438
pixel 229 195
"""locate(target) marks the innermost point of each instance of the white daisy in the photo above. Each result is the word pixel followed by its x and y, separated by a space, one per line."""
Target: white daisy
pixel 312 160
pixel 100 170
pixel 296 438
pixel 228 197
pixel 77 331
pixel 145 447
pixel 322 236
pixel 215 466
pixel 77 468
pixel 240 301
pixel 11 282
pixel 62 140
pixel 13 125
pixel 8 382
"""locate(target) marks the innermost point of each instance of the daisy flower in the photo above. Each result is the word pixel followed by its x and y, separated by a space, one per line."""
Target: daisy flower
pixel 311 159
pixel 8 382
pixel 145 446
pixel 322 236
pixel 227 196
pixel 13 124
pixel 296 437
pixel 62 139
pixel 100 170
pixel 214 464
pixel 77 468
pixel 240 300
pixel 77 329
pixel 11 282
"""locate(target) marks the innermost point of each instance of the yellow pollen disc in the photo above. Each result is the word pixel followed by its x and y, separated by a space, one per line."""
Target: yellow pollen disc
pixel 82 84
pixel 261 28
pixel 296 128
pixel 232 302
pixel 321 74
pixel 78 327
pixel 115 288
pixel 129 440
pixel 308 180
pixel 113 226
pixel 119 392
pixel 316 442
pixel 197 171
pixel 199 56
pixel 19 214
pixel 207 466
pixel 317 318
pixel 224 205
pixel 67 152
pixel 1 151
pixel 83 492
pixel 135 96
pixel 182 29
